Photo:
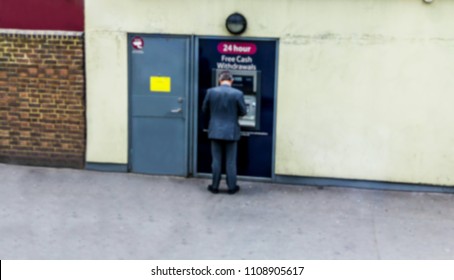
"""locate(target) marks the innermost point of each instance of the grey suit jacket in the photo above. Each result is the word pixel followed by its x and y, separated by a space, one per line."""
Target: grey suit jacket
pixel 224 104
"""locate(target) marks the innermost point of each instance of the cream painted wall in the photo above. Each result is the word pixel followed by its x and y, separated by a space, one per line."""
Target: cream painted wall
pixel 364 87
pixel 107 98
pixel 373 96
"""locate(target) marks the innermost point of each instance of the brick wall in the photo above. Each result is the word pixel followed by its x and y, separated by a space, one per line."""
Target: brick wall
pixel 42 99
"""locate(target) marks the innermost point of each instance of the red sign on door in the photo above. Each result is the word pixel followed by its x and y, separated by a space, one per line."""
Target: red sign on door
pixel 137 43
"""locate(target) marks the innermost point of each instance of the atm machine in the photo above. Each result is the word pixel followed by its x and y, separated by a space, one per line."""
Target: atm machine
pixel 249 83
pixel 257 80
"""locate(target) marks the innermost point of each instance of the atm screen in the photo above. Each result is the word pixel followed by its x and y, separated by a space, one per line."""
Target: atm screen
pixel 244 83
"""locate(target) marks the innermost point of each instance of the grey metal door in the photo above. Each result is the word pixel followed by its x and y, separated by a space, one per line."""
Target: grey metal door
pixel 158 89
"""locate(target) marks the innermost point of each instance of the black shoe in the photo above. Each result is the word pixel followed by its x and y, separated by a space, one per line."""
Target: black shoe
pixel 211 189
pixel 234 191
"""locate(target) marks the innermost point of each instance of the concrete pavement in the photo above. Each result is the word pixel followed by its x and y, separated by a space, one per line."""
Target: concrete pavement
pixel 49 213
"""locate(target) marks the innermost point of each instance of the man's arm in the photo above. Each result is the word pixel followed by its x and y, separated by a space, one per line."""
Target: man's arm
pixel 206 103
pixel 242 108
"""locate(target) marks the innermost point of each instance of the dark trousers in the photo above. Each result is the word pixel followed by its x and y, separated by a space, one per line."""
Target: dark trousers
pixel 218 147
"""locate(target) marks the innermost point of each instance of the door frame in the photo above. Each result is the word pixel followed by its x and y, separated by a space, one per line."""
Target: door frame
pixel 195 109
pixel 188 108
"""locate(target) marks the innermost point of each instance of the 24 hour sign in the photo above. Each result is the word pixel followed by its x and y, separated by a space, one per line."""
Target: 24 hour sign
pixel 237 48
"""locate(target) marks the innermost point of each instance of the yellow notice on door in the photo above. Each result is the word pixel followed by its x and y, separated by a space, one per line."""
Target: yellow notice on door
pixel 160 84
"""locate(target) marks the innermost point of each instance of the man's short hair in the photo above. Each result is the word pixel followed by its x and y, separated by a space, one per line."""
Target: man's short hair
pixel 225 76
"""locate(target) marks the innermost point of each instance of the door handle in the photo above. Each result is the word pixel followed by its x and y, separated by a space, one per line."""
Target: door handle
pixel 175 111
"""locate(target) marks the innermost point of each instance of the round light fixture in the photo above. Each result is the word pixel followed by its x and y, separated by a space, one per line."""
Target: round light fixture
pixel 236 23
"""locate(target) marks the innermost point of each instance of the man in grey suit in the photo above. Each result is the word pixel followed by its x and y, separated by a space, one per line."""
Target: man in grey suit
pixel 224 104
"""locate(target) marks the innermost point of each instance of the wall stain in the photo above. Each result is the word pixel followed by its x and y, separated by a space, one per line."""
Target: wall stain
pixel 360 39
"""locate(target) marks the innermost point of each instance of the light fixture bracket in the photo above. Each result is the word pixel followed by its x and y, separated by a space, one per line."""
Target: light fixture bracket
pixel 236 23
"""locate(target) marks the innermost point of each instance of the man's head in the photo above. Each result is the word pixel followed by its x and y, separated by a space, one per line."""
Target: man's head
pixel 225 77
